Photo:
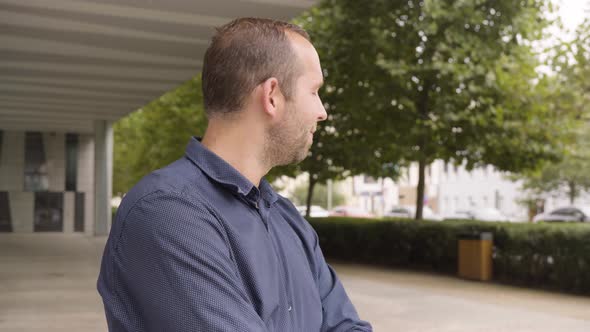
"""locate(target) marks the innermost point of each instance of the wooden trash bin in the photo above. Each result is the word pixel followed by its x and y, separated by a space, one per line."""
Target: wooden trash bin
pixel 475 256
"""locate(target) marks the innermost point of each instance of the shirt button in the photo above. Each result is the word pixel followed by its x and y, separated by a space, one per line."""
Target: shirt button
pixel 290 308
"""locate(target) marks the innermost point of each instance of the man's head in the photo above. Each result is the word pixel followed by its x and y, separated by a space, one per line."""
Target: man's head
pixel 243 54
pixel 268 74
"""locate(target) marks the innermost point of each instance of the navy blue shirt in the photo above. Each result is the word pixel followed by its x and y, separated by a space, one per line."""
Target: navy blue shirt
pixel 195 246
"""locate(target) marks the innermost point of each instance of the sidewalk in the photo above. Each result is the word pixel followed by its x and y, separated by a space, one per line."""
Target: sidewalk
pixel 410 301
pixel 47 283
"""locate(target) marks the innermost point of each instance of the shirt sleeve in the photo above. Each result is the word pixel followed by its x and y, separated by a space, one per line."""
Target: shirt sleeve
pixel 171 269
pixel 338 311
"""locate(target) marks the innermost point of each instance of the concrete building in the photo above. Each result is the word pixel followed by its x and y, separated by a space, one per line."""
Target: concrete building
pixel 486 187
pixel 448 188
pixel 483 187
pixel 68 70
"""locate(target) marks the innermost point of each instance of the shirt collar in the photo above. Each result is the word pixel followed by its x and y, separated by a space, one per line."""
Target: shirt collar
pixel 225 174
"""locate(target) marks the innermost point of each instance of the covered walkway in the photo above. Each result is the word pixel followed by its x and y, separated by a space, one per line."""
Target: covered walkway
pixel 47 283
pixel 69 69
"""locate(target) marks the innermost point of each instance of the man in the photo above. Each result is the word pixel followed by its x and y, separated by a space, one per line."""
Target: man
pixel 205 244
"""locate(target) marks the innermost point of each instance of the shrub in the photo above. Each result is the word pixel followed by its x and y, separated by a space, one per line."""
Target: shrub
pixel 555 256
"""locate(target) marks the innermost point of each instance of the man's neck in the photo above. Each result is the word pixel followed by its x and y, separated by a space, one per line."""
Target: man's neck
pixel 238 148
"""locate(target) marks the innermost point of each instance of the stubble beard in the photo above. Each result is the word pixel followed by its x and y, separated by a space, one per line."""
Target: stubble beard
pixel 287 142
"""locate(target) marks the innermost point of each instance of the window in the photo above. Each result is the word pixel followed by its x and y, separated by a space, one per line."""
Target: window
pixel 400 210
pixel 48 212
pixel 35 163
pixel 565 212
pixel 79 213
pixel 499 198
pixel 71 161
pixel 5 219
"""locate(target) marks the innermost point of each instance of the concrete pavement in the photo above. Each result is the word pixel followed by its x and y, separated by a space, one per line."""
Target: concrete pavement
pixel 410 301
pixel 47 283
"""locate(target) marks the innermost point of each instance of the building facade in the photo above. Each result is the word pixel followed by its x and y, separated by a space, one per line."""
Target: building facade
pixel 46 182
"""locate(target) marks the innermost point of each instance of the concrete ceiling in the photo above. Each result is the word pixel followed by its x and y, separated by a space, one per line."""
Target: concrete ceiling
pixel 65 63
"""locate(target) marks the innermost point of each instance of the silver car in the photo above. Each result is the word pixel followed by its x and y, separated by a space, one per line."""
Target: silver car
pixel 565 214
pixel 409 211
pixel 316 211
pixel 479 214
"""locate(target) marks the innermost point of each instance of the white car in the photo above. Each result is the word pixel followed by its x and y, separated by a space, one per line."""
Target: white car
pixel 316 211
pixel 350 211
pixel 482 214
pixel 409 211
pixel 490 214
pixel 565 214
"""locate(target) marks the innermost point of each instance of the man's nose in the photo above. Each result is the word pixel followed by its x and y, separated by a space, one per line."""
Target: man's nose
pixel 323 114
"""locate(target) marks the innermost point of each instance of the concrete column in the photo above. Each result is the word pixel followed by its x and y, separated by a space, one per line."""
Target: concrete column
pixel 12 161
pixel 22 209
pixel 103 176
pixel 86 179
pixel 55 154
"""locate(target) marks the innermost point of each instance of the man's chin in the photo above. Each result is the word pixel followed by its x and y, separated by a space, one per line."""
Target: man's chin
pixel 297 158
pixel 302 156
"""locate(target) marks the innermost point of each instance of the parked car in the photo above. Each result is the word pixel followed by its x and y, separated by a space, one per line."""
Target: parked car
pixel 565 214
pixel 409 211
pixel 316 211
pixel 482 214
pixel 460 215
pixel 350 211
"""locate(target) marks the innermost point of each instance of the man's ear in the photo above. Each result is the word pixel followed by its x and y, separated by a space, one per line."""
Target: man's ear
pixel 272 97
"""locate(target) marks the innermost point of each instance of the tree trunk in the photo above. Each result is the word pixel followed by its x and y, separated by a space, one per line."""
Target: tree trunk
pixel 572 192
pixel 312 184
pixel 420 191
pixel 422 106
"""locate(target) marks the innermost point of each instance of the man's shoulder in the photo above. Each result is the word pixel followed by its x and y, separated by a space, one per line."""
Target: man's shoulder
pixel 166 201
pixel 285 203
pixel 179 178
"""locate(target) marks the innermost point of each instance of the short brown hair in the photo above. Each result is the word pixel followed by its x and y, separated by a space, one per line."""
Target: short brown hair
pixel 243 54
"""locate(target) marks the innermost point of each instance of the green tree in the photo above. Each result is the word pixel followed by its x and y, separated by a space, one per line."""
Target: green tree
pixel 157 134
pixel 570 65
pixel 342 146
pixel 570 176
pixel 425 80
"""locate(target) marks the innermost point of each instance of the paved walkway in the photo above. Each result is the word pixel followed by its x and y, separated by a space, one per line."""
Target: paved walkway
pixel 47 283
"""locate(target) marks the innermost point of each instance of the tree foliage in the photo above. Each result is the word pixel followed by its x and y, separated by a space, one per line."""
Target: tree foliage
pixel 157 134
pixel 570 64
pixel 416 81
